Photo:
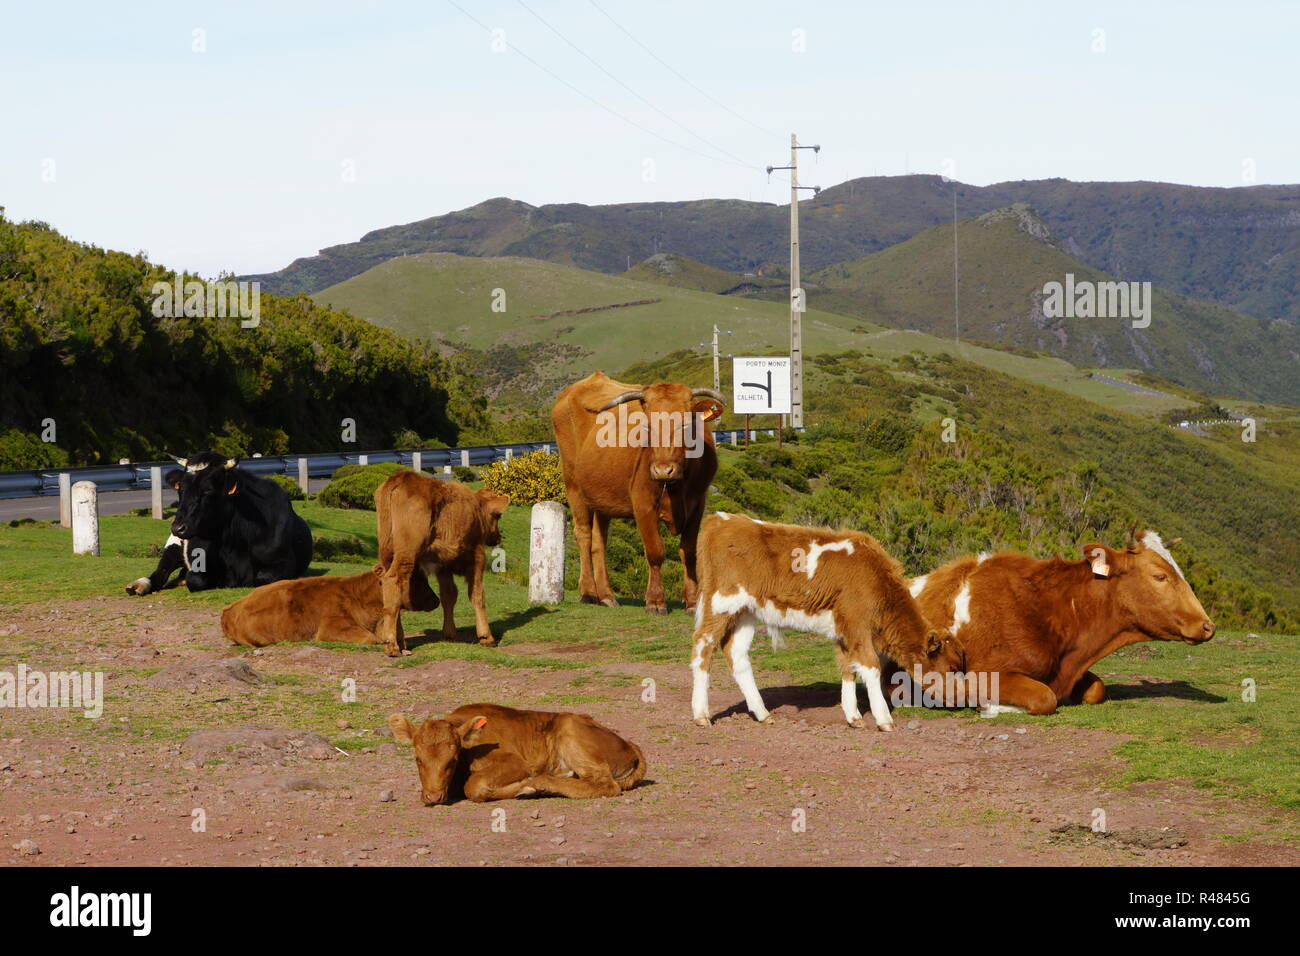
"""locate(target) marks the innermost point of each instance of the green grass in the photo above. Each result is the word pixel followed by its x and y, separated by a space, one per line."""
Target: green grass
pixel 439 295
pixel 1180 707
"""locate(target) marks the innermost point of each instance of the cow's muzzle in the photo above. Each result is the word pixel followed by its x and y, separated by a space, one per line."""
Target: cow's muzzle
pixel 179 528
pixel 666 472
pixel 1206 632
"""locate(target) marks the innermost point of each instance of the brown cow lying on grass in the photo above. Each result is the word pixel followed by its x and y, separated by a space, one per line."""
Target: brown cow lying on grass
pixel 838 583
pixel 1040 625
pixel 489 752
pixel 343 609
pixel 442 527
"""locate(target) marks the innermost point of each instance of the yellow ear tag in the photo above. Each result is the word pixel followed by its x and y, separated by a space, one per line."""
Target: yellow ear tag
pixel 233 488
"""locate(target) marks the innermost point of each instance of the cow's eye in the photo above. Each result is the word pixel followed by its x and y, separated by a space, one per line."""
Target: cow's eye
pixel 1161 577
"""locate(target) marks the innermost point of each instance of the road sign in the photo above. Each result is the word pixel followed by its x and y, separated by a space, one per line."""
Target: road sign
pixel 760 386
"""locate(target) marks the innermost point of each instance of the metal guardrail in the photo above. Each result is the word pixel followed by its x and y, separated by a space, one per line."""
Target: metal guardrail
pixel 135 476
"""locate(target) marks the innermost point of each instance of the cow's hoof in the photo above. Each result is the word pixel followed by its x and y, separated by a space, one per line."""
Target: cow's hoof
pixel 610 602
pixel 656 609
pixel 703 722
pixel 590 599
pixel 888 728
pixel 526 791
pixel 859 724
pixel 488 641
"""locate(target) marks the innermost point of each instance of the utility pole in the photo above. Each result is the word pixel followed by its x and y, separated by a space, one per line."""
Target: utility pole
pixel 717 381
pixel 797 298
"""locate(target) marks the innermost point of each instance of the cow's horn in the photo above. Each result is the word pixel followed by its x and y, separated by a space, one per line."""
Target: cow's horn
pixel 1131 542
pixel 231 463
pixel 633 396
pixel 708 393
pixel 180 461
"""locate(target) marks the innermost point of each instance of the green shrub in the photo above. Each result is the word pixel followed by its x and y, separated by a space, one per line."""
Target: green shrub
pixel 464 473
pixel 290 486
pixel 527 479
pixel 20 451
pixel 330 548
pixel 353 486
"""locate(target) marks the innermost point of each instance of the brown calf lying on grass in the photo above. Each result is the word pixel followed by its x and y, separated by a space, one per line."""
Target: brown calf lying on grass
pixel 841 584
pixel 490 752
pixel 346 610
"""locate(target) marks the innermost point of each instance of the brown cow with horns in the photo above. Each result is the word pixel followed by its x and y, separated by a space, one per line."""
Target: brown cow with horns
pixel 635 452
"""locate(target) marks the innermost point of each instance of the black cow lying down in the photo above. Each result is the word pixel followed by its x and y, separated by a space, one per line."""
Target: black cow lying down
pixel 232 529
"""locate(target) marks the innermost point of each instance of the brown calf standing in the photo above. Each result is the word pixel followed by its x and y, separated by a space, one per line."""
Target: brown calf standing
pixel 442 527
pixel 343 609
pixel 841 584
pixel 490 752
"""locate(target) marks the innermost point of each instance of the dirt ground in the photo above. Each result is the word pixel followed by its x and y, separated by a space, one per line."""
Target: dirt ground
pixel 174 748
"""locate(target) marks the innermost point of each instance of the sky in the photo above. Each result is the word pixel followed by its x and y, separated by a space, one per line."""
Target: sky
pixel 232 136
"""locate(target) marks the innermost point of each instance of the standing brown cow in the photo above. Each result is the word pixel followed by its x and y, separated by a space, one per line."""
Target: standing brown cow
pixel 635 452
pixel 1039 626
pixel 443 527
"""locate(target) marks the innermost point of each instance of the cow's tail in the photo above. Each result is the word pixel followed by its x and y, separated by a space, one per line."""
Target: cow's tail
pixel 638 771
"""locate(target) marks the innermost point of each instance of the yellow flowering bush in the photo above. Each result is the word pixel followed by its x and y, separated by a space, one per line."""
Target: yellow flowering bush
pixel 527 479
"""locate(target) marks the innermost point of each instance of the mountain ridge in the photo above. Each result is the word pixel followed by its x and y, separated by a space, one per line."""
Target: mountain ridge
pixel 1238 247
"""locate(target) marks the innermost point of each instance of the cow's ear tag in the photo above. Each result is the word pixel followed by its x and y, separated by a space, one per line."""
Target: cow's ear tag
pixel 233 488
pixel 1099 565
pixel 710 408
pixel 478 724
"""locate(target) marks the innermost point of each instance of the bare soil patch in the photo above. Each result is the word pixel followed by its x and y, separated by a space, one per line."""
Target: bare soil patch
pixel 279 770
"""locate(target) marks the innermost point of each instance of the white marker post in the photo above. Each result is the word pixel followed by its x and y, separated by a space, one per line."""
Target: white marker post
pixel 363 460
pixel 510 453
pixel 303 477
pixel 417 460
pixel 85 518
pixel 155 491
pixel 65 499
pixel 546 554
pixel 464 457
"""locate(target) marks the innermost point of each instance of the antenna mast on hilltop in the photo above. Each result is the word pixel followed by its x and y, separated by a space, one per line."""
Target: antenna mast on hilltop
pixel 797 298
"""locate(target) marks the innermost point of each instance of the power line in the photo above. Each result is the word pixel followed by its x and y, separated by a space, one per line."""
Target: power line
pixel 592 60
pixel 591 99
pixel 674 72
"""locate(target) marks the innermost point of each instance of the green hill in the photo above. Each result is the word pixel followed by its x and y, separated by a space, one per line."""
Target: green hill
pixel 559 323
pixel 1239 247
pixel 82 352
pixel 1006 257
pixel 665 268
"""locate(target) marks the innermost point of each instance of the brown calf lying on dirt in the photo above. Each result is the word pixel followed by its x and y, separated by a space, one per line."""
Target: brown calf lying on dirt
pixel 841 584
pixel 442 527
pixel 346 610
pixel 490 752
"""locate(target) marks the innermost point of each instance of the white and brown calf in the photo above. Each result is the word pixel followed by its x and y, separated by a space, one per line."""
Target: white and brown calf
pixel 841 584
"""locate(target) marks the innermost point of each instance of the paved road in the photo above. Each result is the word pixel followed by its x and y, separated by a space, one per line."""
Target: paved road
pixel 46 507
pixel 1142 390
